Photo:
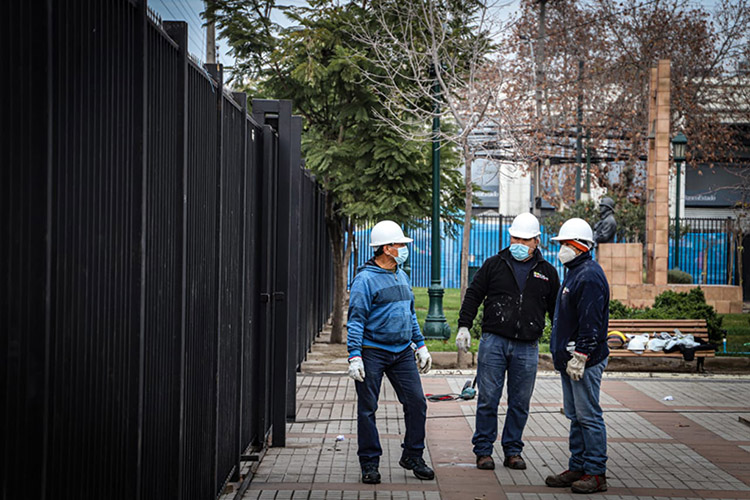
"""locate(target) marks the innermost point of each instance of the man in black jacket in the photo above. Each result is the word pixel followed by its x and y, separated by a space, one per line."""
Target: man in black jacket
pixel 518 288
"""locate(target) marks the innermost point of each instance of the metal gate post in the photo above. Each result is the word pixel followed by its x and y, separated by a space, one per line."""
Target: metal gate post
pixel 178 32
pixel 241 99
pixel 217 73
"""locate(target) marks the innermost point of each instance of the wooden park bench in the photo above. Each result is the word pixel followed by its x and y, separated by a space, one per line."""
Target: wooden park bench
pixel 696 327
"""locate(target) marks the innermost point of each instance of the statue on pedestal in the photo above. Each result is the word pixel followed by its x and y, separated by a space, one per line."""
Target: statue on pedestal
pixel 606 227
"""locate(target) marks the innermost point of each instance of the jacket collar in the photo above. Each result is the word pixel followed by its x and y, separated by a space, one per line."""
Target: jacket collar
pixel 579 260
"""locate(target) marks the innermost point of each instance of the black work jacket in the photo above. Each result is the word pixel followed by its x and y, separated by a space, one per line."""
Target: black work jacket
pixel 507 311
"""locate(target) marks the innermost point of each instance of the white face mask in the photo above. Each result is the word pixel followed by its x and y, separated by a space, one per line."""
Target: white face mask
pixel 566 254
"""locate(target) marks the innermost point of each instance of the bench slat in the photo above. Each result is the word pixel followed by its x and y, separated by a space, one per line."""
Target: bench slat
pixel 624 353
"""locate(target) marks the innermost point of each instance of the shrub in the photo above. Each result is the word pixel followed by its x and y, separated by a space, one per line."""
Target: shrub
pixel 674 305
pixel 618 310
pixel 679 277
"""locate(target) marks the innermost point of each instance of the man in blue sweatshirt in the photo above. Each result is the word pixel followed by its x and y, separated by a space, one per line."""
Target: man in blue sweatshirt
pixel 382 326
pixel 578 344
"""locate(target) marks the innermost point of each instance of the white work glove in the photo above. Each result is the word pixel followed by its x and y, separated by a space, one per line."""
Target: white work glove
pixel 424 360
pixel 356 369
pixel 576 365
pixel 463 339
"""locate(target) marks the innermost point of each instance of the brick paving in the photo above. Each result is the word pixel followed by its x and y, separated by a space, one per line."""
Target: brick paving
pixel 693 446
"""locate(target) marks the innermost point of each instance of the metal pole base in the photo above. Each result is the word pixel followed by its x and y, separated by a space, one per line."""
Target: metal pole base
pixel 435 325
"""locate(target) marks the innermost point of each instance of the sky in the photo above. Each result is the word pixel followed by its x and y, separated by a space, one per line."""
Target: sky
pixel 189 11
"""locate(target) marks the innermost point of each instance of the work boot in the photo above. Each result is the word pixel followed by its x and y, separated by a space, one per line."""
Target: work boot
pixel 514 462
pixel 564 479
pixel 370 474
pixel 418 467
pixel 485 462
pixel 590 484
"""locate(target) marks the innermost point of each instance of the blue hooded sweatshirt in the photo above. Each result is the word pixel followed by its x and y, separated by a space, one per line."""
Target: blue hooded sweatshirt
pixel 581 313
pixel 381 311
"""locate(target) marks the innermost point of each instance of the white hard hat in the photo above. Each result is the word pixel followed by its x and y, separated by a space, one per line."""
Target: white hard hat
pixel 575 229
pixel 525 226
pixel 387 232
pixel 638 343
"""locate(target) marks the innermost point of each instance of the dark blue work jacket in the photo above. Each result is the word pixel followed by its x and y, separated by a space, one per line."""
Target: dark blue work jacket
pixel 581 313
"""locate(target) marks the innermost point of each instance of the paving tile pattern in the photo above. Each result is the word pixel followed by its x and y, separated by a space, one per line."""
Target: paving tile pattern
pixel 690 447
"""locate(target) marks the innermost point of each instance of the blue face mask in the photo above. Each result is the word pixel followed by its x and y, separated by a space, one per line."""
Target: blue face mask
pixel 403 254
pixel 519 251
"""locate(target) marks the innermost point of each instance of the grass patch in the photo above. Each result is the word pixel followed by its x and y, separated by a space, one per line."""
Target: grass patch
pixel 451 307
pixel 738 332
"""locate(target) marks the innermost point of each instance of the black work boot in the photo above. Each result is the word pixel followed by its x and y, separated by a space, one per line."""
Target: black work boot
pixel 370 474
pixel 590 484
pixel 514 462
pixel 564 479
pixel 418 467
pixel 485 462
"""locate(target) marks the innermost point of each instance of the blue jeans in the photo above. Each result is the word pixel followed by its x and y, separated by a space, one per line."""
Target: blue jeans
pixel 401 370
pixel 498 355
pixel 588 434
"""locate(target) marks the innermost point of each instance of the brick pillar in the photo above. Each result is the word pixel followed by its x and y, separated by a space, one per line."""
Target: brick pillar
pixel 657 207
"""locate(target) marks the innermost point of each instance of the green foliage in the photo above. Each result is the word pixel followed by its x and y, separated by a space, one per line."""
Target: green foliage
pixel 680 277
pixel 674 305
pixel 586 210
pixel 369 169
pixel 630 217
pixel 618 310
pixel 476 327
pixel 631 221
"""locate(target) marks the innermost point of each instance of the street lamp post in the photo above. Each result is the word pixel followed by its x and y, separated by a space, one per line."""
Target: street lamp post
pixel 679 143
pixel 435 325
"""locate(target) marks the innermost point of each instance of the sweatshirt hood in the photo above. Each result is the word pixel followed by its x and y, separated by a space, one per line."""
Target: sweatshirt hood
pixel 371 266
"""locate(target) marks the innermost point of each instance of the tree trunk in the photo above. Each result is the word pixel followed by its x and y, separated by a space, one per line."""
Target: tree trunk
pixel 347 259
pixel 336 238
pixel 468 159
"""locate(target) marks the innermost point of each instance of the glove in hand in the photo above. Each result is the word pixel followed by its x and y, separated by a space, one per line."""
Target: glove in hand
pixel 424 360
pixel 357 369
pixel 463 339
pixel 576 365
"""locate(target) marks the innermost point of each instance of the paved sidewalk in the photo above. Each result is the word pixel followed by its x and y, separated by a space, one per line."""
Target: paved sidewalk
pixel 693 446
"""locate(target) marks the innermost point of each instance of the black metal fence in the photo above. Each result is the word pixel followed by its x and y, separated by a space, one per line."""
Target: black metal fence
pixel 708 249
pixel 165 260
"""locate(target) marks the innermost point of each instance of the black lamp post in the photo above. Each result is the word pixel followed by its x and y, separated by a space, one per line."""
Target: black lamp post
pixel 679 143
pixel 435 325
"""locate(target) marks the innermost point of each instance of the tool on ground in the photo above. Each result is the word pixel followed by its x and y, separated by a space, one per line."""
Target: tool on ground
pixel 468 392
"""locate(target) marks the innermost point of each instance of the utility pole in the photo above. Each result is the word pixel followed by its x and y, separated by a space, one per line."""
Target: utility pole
pixel 210 40
pixel 539 82
pixel 579 132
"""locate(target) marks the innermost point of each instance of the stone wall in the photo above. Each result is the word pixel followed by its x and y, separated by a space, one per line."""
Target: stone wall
pixel 623 265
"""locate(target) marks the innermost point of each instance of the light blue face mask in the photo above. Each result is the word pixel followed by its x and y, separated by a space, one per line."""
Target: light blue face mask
pixel 403 254
pixel 519 251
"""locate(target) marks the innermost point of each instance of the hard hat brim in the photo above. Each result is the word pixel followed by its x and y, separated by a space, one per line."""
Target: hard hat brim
pixel 398 240
pixel 523 236
pixel 568 238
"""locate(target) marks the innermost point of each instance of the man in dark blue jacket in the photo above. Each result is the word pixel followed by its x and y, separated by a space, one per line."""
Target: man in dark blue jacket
pixel 579 350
